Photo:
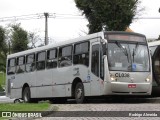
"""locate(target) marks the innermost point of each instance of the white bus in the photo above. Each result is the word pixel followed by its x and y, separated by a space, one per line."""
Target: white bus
pixel 155 51
pixel 100 64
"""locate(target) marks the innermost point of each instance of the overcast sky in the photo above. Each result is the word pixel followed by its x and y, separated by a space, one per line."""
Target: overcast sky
pixel 61 29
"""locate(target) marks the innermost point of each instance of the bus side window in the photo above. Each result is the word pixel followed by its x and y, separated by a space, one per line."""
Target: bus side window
pixel 52 58
pixel 40 60
pixel 11 68
pixel 65 56
pixel 81 53
pixel 20 65
pixel 30 63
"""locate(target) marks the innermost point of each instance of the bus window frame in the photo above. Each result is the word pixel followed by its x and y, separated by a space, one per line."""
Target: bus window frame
pixel 8 66
pixel 52 59
pixel 31 62
pixel 60 57
pixel 18 65
pixel 88 52
pixel 37 53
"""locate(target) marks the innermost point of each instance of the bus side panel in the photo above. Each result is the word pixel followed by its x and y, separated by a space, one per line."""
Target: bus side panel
pixel 68 90
pixel 59 91
pixel 18 83
pixel 63 81
pixel 29 78
pixel 14 87
pixel 87 89
pixel 8 86
pixel 16 93
pixel 83 73
pixel 43 83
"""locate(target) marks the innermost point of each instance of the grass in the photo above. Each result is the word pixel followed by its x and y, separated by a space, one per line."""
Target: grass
pixel 24 106
pixel 1 89
pixel 2 80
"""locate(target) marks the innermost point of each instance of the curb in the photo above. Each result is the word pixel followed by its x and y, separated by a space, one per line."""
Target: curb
pixel 49 111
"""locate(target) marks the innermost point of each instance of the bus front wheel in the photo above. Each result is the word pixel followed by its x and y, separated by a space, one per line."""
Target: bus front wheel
pixel 79 93
pixel 26 95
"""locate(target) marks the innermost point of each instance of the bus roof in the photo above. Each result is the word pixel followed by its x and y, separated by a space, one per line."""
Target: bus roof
pixel 62 43
pixel 124 32
pixel 70 41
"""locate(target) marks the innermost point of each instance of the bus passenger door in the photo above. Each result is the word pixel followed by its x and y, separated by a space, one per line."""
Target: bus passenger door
pixel 96 69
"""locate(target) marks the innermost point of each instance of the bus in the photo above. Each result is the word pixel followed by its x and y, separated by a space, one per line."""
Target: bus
pixel 155 51
pixel 108 63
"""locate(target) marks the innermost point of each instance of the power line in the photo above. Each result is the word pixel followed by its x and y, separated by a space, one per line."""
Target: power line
pixel 41 16
pixel 22 17
pixel 147 18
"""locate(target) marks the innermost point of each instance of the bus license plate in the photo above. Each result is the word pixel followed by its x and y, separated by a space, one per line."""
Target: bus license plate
pixel 131 85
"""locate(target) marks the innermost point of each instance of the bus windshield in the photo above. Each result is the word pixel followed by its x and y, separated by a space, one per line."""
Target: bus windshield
pixel 128 56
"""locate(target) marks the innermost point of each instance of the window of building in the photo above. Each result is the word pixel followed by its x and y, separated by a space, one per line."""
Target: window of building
pixel 30 63
pixel 20 64
pixel 81 53
pixel 40 60
pixel 11 68
pixel 65 56
pixel 52 58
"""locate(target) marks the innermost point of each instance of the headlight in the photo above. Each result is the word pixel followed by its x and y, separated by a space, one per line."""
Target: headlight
pixel 113 78
pixel 148 79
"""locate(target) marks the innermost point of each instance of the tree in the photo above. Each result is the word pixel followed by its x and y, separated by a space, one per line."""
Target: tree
pixel 3 49
pixel 19 39
pixel 108 14
pixel 33 39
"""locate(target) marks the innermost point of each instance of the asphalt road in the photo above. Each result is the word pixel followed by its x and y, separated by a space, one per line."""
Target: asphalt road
pixel 4 99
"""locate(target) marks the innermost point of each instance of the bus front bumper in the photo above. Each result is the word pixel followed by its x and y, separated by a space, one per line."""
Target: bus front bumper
pixel 120 88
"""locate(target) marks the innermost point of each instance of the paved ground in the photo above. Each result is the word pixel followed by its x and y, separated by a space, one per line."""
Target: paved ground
pixel 120 109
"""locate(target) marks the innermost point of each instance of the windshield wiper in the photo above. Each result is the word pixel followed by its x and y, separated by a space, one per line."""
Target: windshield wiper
pixel 123 49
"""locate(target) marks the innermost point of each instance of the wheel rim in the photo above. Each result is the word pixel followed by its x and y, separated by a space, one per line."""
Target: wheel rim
pixel 26 97
pixel 17 101
pixel 79 93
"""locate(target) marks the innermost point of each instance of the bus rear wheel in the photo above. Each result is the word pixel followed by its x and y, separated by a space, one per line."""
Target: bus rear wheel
pixel 79 93
pixel 26 95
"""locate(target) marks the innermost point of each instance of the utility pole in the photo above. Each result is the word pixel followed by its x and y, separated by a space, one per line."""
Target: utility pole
pixel 46 28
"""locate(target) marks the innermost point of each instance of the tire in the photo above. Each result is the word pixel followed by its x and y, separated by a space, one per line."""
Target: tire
pixel 79 93
pixel 17 101
pixel 27 95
